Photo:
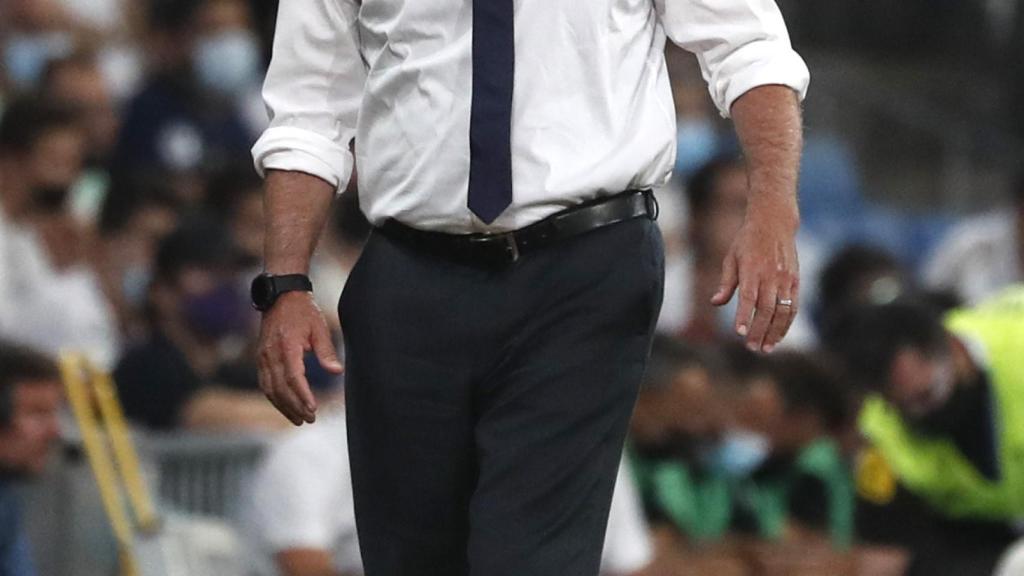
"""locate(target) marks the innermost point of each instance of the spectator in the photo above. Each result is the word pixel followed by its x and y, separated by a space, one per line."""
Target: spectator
pixel 860 274
pixel 187 117
pixel 195 370
pixel 790 479
pixel 940 477
pixel 30 398
pixel 675 425
pixel 982 255
pixel 137 213
pixel 37 31
pixel 301 511
pixel 77 82
pixel 55 299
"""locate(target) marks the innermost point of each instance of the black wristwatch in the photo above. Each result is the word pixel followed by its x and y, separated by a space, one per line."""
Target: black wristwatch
pixel 266 288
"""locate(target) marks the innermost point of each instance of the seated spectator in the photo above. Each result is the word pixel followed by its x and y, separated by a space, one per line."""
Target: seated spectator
pixel 675 425
pixel 301 520
pixel 30 399
pixel 196 369
pixel 139 211
pixel 78 83
pixel 788 475
pixel 186 118
pixel 983 254
pixel 940 476
pixel 52 295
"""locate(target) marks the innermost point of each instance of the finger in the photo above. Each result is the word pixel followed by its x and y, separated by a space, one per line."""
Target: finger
pixel 763 315
pixel 728 283
pixel 281 393
pixel 747 303
pixel 781 321
pixel 301 396
pixel 266 385
pixel 323 346
pixel 794 310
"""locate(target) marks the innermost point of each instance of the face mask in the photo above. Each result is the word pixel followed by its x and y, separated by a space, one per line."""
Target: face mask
pixel 135 284
pixel 740 453
pixel 26 56
pixel 228 63
pixel 940 390
pixel 696 143
pixel 50 199
pixel 218 313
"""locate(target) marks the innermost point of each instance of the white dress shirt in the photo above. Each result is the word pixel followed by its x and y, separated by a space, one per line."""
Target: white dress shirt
pixel 592 111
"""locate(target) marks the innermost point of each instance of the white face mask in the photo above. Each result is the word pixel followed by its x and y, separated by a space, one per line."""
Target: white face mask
pixel 940 389
pixel 27 55
pixel 740 453
pixel 228 63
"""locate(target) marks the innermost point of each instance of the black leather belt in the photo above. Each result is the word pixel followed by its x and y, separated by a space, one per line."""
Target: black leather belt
pixel 491 250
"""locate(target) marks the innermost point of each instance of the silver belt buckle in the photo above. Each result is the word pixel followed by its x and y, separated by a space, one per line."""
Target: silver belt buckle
pixel 513 247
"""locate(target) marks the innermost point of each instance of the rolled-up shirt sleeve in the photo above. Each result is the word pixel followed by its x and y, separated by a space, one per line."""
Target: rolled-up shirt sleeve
pixel 313 91
pixel 740 45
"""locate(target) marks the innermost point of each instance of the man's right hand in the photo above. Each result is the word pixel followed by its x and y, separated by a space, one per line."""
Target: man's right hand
pixel 293 326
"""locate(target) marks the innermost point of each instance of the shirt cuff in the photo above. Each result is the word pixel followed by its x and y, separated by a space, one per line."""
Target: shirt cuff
pixel 295 149
pixel 761 64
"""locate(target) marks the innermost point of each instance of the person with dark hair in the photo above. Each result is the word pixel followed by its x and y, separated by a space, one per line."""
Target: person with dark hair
pixel 30 399
pixel 190 114
pixel 942 395
pixel 195 370
pixel 983 254
pixel 51 295
pixel 861 274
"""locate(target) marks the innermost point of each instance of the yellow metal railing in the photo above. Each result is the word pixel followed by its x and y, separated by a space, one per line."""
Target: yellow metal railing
pixel 111 455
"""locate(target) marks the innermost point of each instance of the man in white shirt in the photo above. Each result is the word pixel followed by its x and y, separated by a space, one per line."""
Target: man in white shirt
pixel 499 319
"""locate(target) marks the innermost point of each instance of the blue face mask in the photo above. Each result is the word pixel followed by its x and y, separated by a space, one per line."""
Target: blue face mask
pixel 228 63
pixel 696 143
pixel 135 284
pixel 26 55
pixel 740 453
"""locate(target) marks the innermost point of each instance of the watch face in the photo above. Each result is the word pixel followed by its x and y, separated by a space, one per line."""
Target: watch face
pixel 262 292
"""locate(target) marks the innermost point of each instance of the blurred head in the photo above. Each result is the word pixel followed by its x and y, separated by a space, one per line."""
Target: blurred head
pixel 197 289
pixel 861 275
pixel 77 82
pixel 138 211
pixel 30 401
pixel 718 204
pixel 214 39
pixel 41 154
pixel 235 196
pixel 902 351
pixel 676 410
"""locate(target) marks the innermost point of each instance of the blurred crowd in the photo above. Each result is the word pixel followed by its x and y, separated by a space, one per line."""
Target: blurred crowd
pixel 881 440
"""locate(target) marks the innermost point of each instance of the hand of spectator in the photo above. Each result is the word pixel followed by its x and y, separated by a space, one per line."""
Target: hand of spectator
pixel 293 326
pixel 762 264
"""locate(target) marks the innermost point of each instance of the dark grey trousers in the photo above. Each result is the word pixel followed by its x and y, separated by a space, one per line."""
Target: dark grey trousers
pixel 487 408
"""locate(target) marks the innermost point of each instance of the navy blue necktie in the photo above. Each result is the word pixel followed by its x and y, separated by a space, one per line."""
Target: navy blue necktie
pixel 490 124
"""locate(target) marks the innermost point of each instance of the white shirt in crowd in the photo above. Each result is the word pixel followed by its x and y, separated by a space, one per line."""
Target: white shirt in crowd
pixel 627 544
pixel 302 499
pixel 592 110
pixel 978 258
pixel 52 310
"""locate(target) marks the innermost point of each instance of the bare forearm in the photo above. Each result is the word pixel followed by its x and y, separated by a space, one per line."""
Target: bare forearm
pixel 768 123
pixel 296 207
